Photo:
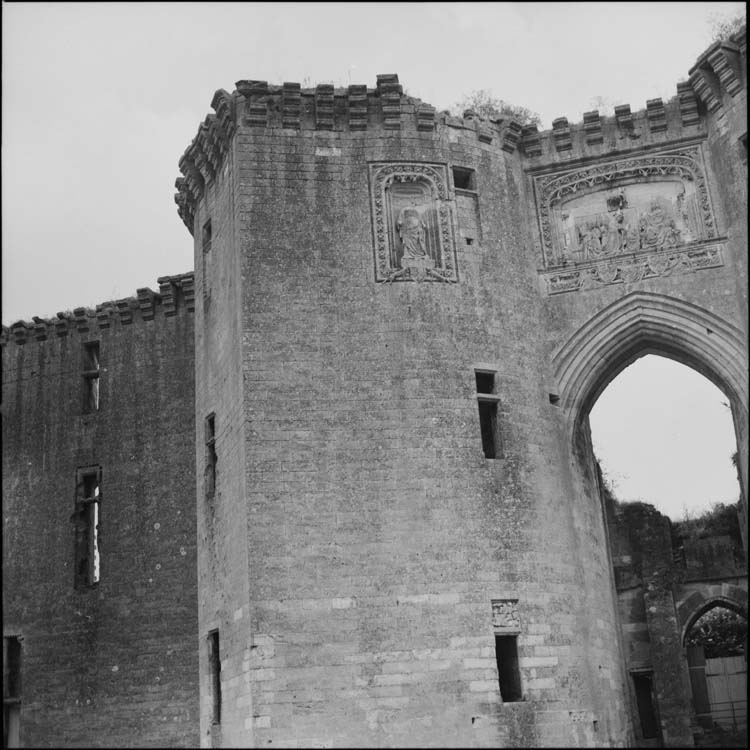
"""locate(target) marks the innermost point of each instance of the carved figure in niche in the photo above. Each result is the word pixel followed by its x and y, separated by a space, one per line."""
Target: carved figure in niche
pixel 657 229
pixel 413 232
pixel 617 238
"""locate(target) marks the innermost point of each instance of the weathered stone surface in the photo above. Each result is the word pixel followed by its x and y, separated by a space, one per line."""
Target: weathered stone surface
pixel 355 550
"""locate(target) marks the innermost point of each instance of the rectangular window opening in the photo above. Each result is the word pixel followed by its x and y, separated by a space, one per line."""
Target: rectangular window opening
pixel 554 398
pixel 506 653
pixel 642 683
pixel 91 377
pixel 488 426
pixel 11 691
pixel 464 179
pixel 207 237
pixel 211 456
pixel 214 666
pixel 206 240
pixel 87 522
pixel 488 400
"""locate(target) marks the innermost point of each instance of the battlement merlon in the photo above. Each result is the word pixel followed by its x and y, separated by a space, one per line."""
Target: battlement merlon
pixel 176 292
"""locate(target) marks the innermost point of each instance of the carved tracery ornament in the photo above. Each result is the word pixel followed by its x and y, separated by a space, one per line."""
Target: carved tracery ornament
pixel 641 204
pixel 625 221
pixel 413 234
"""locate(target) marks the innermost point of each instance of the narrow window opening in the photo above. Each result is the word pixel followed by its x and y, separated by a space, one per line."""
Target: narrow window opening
pixel 645 702
pixel 506 653
pixel 91 377
pixel 488 426
pixel 87 522
pixel 211 456
pixel 464 179
pixel 11 691
pixel 206 240
pixel 488 413
pixel 214 666
pixel 554 398
pixel 207 237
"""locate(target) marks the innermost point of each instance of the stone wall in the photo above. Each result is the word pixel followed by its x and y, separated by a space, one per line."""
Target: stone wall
pixel 113 664
pixel 361 552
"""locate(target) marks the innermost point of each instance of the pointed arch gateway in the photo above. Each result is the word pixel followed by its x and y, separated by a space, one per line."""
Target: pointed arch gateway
pixel 643 323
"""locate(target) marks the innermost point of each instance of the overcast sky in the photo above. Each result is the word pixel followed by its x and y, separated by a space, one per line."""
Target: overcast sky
pixel 101 99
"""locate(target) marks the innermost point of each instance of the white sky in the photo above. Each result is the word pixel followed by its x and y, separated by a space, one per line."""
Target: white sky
pixel 101 99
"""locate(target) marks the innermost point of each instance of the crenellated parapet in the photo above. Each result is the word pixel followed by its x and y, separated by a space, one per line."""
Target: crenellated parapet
pixel 257 105
pixel 175 293
pixel 625 130
pixel 714 82
pixel 205 156
pixel 719 73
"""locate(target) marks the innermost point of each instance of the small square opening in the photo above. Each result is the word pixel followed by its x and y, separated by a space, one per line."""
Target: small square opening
pixel 464 179
pixel 485 382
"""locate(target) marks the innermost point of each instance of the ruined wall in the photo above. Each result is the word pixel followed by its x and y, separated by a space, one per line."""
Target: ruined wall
pixel 661 590
pixel 114 664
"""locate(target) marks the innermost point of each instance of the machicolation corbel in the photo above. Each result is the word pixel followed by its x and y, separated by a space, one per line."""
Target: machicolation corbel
pixel 703 89
pixel 357 101
pixel 390 91
pixel 656 115
pixel 256 102
pixel 723 60
pixel 81 319
pixel 531 141
pixel 592 127
pixel 61 324
pixel 511 135
pixel 324 106
pixel 688 104
pixel 561 134
pixel 291 105
pixel 40 328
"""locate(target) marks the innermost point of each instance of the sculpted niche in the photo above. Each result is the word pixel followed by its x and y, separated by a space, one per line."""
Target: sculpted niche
pixel 413 235
pixel 626 220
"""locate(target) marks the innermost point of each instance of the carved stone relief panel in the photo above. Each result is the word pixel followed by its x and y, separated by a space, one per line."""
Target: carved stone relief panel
pixel 413 233
pixel 626 220
pixel 505 616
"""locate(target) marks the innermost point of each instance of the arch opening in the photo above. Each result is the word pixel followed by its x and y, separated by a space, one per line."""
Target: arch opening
pixel 642 323
pixel 716 652
pixel 663 435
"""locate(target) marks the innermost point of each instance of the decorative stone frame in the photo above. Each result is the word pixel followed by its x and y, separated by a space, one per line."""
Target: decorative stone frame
pixel 552 191
pixel 431 200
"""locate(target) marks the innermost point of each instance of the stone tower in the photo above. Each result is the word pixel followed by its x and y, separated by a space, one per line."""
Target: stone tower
pixel 402 320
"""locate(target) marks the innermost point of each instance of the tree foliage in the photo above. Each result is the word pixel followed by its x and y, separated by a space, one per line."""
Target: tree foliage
pixel 719 520
pixel 721 632
pixel 486 105
pixel 724 27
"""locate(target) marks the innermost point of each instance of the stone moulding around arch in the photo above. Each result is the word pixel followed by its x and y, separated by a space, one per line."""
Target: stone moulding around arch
pixel 646 320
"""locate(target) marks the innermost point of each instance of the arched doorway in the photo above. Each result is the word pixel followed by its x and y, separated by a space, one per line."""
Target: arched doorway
pixel 716 651
pixel 644 323
pixel 652 644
